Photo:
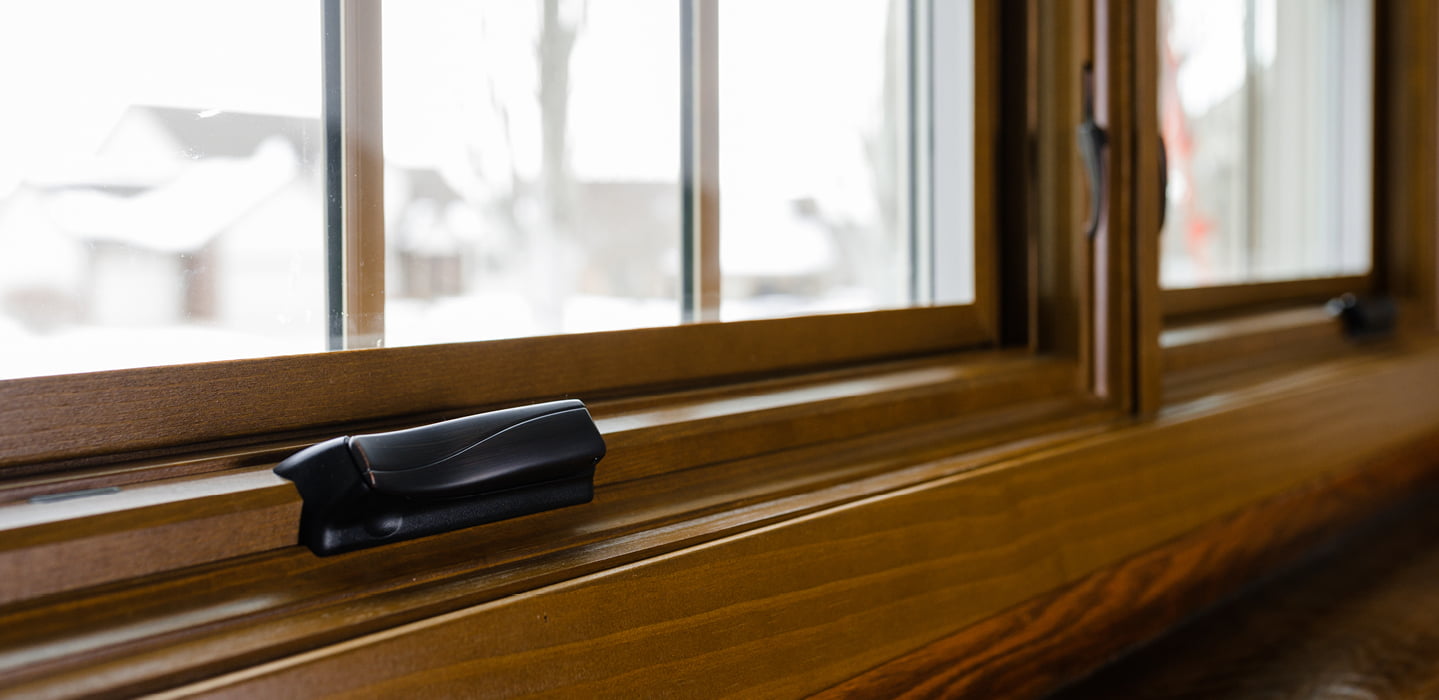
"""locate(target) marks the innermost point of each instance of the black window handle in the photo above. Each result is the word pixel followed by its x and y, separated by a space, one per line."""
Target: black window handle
pixel 1163 183
pixel 367 490
pixel 1092 142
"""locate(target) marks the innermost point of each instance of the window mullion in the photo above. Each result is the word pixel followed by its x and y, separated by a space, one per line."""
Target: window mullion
pixel 354 182
pixel 700 252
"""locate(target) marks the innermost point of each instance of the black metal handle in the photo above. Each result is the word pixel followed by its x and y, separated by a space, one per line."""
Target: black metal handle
pixel 1092 142
pixel 368 490
pixel 1163 183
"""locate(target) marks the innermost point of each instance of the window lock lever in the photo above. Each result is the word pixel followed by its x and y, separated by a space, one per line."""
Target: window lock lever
pixel 1092 142
pixel 368 490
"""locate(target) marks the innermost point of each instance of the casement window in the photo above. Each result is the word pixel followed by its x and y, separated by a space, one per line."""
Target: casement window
pixel 529 170
pixel 777 200
pixel 1270 169
pixel 1266 113
pixel 493 181
pixel 803 260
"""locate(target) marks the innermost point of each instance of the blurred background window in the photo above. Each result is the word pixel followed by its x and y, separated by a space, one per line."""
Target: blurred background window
pixel 161 185
pixel 532 165
pixel 815 162
pixel 1265 109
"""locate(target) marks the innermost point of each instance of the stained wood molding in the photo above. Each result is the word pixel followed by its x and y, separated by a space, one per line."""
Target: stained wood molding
pixel 54 423
pixel 1359 618
pixel 856 585
pixel 1230 297
pixel 1297 332
pixel 82 542
pixel 1034 648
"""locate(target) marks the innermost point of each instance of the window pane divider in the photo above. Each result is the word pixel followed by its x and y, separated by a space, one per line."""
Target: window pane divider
pixel 355 175
pixel 699 131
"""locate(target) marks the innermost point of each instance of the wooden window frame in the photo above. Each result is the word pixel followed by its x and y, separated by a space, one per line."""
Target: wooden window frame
pixel 131 429
pixel 41 435
pixel 1198 301
pixel 797 498
pixel 1193 335
pixel 355 220
pixel 1181 302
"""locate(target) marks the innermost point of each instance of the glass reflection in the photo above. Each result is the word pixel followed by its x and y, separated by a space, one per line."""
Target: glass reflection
pixel 1265 112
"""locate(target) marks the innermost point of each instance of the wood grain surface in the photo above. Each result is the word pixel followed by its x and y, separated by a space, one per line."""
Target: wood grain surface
pixel 867 398
pixel 1038 646
pixel 1361 621
pixel 49 423
pixel 194 622
pixel 1308 331
pixel 246 510
pixel 1230 297
pixel 1406 137
pixel 1148 200
pixel 798 605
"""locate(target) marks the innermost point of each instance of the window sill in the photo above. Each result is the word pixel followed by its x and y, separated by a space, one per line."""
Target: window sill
pixel 857 550
pixel 850 585
pixel 691 468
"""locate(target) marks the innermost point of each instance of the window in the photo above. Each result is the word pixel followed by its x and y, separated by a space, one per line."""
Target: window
pixel 1265 109
pixel 434 210
pixel 471 171
pixel 963 432
pixel 160 190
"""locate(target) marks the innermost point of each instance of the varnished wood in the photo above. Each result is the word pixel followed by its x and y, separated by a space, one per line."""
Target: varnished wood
pixel 136 526
pixel 843 554
pixel 1036 647
pixel 987 163
pixel 1062 281
pixel 1147 200
pixel 362 163
pixel 226 616
pixel 1201 300
pixel 843 587
pixel 1407 150
pixel 1116 340
pixel 1305 331
pixel 891 394
pixel 52 422
pixel 88 541
pixel 1360 621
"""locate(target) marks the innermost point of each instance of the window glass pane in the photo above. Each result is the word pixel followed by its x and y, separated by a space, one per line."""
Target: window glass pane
pixel 532 167
pixel 1265 111
pixel 159 183
pixel 815 167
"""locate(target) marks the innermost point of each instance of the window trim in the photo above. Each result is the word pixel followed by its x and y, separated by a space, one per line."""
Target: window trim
pixel 706 438
pixel 48 423
pixel 1192 335
pixel 1204 300
pixel 355 223
pixel 1186 479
